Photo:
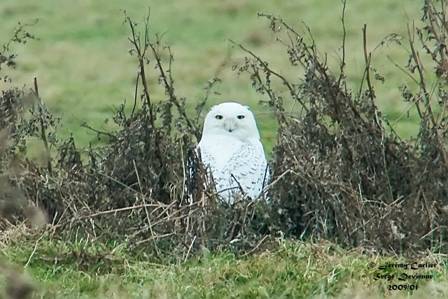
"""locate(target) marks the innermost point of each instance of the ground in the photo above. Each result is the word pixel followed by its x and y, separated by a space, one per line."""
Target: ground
pixel 286 269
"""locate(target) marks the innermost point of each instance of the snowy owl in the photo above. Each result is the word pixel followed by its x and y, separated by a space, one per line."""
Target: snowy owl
pixel 231 150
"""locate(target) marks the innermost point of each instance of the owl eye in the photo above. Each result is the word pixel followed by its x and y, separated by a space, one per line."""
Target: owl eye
pixel 240 116
pixel 218 116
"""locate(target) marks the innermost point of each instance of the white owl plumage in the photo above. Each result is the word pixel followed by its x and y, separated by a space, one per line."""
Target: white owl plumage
pixel 231 150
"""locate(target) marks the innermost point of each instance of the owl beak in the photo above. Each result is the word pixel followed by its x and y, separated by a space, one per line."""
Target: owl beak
pixel 229 125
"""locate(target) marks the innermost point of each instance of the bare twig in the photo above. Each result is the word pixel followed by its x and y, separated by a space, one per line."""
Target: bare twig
pixel 344 35
pixel 99 132
pixel 189 249
pixel 36 244
pixel 135 94
pixel 276 74
pixel 419 67
pixel 168 83
pixel 43 133
pixel 113 211
pixel 256 246
pixel 141 50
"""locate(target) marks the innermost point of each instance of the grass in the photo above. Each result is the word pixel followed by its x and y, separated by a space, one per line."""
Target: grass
pixel 288 269
pixel 81 61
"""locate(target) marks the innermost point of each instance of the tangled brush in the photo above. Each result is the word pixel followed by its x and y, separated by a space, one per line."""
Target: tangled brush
pixel 345 173
pixel 340 171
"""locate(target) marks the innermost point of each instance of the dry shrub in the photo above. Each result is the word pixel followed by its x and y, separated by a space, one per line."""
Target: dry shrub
pixel 341 171
pixel 144 184
pixel 338 171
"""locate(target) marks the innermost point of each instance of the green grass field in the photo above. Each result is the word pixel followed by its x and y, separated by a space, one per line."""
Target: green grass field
pixel 80 59
pixel 284 269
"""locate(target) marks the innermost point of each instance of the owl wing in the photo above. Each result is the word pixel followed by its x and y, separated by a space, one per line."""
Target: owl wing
pixel 209 161
pixel 246 169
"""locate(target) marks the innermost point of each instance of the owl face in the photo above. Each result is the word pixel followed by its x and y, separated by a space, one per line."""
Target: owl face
pixel 231 119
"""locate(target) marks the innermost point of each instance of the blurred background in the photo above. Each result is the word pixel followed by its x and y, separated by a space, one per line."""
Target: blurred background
pixel 81 59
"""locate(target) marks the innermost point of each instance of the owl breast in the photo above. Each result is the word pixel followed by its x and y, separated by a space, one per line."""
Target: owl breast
pixel 236 166
pixel 216 151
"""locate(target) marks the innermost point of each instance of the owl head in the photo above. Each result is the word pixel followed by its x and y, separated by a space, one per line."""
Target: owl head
pixel 231 119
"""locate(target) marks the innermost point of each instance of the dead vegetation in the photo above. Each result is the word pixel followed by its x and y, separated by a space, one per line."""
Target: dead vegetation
pixel 144 185
pixel 339 171
pixel 347 176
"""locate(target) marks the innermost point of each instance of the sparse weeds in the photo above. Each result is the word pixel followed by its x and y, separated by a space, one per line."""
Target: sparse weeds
pixel 340 172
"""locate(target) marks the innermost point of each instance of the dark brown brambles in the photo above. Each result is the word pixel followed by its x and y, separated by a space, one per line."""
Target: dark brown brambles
pixel 339 171
pixel 348 176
